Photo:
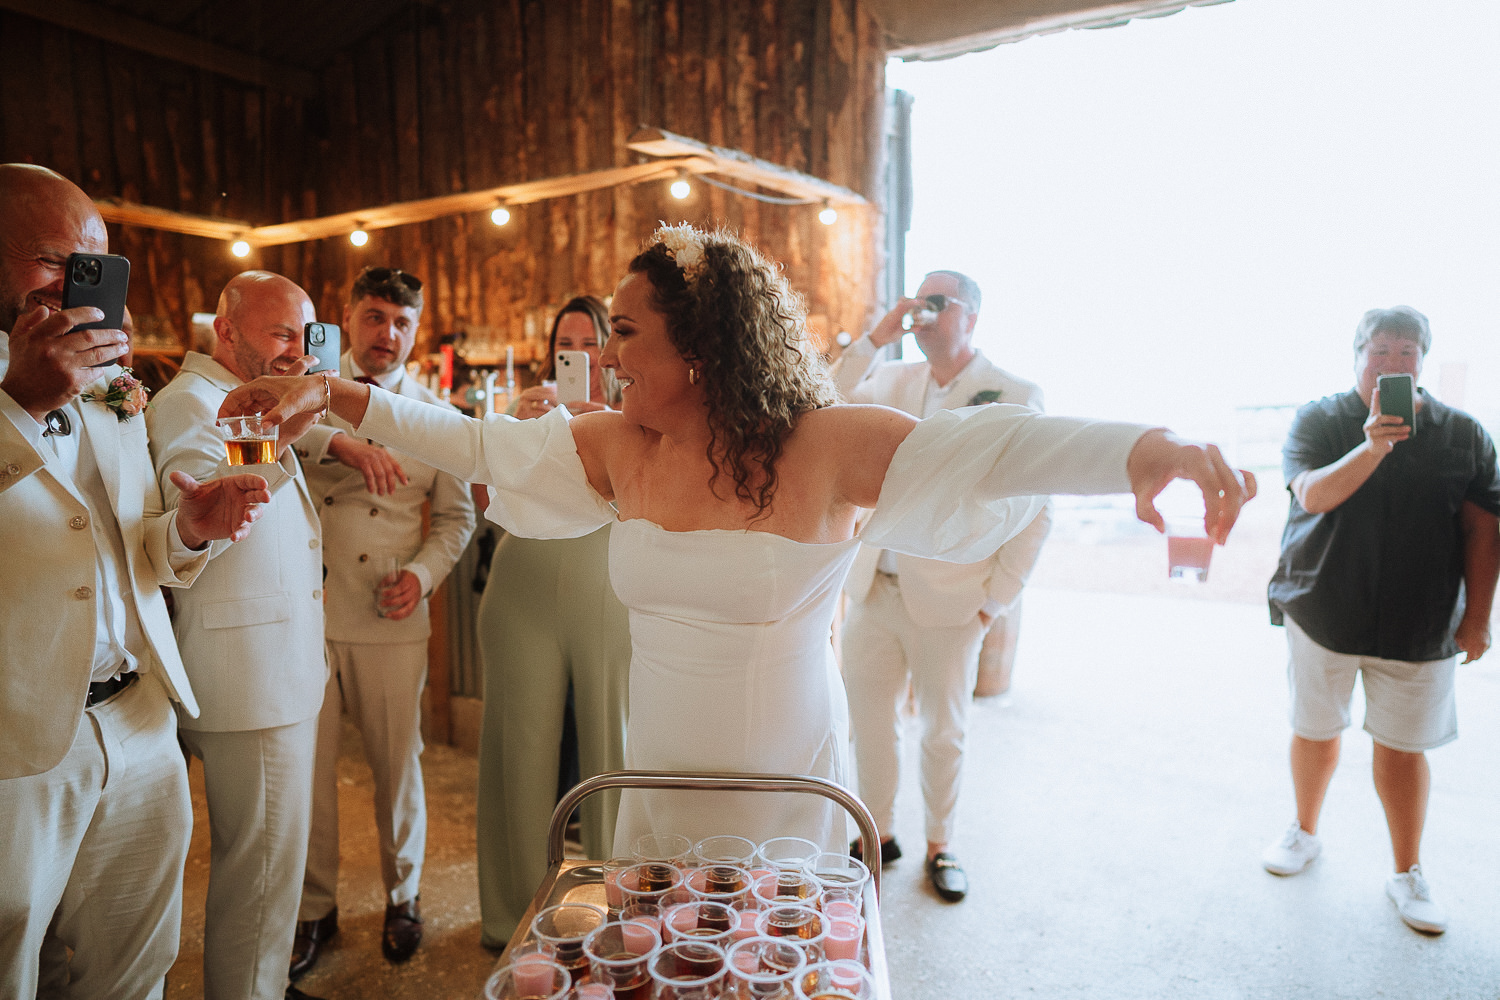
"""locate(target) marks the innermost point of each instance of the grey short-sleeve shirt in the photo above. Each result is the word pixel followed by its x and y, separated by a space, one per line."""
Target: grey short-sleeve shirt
pixel 1382 573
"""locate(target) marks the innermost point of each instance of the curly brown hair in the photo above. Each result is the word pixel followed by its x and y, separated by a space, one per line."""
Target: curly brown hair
pixel 746 331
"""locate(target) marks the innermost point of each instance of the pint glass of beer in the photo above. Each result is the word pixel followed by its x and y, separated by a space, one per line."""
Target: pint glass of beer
pixel 248 440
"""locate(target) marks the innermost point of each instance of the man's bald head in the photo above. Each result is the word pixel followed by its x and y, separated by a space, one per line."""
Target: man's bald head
pixel 44 217
pixel 259 323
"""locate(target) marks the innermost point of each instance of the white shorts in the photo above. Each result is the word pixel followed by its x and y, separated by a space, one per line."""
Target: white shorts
pixel 1409 705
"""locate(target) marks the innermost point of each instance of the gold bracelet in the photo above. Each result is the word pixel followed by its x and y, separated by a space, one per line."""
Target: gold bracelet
pixel 327 395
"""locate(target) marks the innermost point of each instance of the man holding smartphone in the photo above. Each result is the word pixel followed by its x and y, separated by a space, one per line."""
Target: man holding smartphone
pixel 381 568
pixel 1388 570
pixel 95 815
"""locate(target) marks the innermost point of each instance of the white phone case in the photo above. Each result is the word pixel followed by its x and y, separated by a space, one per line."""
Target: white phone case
pixel 572 376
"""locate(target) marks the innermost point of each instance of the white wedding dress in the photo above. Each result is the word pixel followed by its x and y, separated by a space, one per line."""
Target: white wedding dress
pixel 732 663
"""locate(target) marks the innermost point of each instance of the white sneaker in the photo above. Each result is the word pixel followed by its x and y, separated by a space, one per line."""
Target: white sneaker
pixel 1413 899
pixel 1293 852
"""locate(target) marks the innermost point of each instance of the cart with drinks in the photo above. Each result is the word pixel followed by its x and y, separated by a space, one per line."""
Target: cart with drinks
pixel 720 918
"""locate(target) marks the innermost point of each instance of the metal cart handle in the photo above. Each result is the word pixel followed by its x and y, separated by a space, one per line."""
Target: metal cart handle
pixel 712 782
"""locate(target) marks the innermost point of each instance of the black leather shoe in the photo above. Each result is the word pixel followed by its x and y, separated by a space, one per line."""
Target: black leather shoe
pixel 292 993
pixel 889 852
pixel 312 935
pixel 403 930
pixel 948 877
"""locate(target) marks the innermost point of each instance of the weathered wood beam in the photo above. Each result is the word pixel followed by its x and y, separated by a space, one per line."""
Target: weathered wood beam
pixel 147 217
pixel 743 167
pixel 111 26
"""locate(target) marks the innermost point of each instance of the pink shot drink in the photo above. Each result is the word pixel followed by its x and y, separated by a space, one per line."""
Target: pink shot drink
pixel 533 975
pixel 1188 556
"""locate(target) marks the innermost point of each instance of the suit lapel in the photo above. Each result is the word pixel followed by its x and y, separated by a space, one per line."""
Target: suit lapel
pixel 103 432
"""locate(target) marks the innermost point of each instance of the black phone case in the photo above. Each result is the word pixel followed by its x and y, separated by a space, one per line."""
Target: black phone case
pixel 322 341
pixel 1396 398
pixel 101 280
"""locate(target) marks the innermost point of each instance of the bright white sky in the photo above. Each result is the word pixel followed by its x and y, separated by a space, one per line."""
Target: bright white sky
pixel 1186 215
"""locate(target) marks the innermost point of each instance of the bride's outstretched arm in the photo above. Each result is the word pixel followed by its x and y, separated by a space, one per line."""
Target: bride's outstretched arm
pixel 1001 451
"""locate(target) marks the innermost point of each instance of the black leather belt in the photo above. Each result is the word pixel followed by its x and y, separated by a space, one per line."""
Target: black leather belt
pixel 102 691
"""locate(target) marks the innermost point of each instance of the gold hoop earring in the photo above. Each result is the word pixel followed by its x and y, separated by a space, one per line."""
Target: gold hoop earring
pixel 692 376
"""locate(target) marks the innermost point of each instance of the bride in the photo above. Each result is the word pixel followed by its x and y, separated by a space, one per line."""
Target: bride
pixel 737 480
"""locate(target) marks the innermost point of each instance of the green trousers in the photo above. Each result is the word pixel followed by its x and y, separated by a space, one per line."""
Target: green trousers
pixel 548 616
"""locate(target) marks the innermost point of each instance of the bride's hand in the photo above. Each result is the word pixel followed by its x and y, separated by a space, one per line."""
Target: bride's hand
pixel 1159 457
pixel 276 397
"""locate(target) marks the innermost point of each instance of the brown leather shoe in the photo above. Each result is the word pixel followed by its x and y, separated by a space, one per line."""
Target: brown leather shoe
pixel 403 930
pixel 312 935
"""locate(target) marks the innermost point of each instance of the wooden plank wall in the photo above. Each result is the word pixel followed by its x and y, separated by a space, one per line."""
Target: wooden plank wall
pixel 489 94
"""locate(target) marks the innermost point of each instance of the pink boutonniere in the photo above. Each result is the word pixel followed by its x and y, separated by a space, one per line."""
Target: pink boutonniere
pixel 125 395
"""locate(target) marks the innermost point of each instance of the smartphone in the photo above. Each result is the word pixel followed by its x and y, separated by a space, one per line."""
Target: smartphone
pixel 100 280
pixel 1396 399
pixel 572 376
pixel 321 340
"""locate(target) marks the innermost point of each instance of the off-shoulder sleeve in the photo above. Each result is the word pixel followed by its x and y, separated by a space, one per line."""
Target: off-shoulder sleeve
pixel 538 488
pixel 964 482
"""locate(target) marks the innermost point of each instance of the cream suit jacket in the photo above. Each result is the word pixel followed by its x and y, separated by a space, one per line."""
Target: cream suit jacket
pixel 251 628
pixel 362 529
pixel 48 603
pixel 941 594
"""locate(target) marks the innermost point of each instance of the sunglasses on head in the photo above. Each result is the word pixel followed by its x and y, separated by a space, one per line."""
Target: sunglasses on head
pixel 940 302
pixel 380 275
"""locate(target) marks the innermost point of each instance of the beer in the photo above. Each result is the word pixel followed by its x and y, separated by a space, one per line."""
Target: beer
pixel 244 451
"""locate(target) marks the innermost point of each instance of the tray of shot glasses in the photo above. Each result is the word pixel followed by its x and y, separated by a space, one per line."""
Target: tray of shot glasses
pixel 720 919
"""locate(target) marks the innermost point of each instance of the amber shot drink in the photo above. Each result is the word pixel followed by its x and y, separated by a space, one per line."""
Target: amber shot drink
pixel 248 440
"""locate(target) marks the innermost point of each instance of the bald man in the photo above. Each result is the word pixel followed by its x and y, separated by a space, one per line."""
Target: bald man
pixel 251 634
pixel 94 809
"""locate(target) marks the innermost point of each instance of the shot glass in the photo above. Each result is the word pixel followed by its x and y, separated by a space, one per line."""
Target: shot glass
pixel 845 935
pixel 787 852
pixel 788 885
pixel 688 970
pixel 719 883
pixel 248 440
pixel 619 952
pixel 1189 550
pixel 839 876
pixel 389 569
pixel 762 967
pixel 726 850
pixel 673 848
pixel 700 921
pixel 648 882
pixel 531 976
pixel 793 920
pixel 559 931
pixel 613 898
pixel 840 980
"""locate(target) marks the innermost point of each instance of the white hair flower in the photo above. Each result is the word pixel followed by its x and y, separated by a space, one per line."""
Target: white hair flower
pixel 685 246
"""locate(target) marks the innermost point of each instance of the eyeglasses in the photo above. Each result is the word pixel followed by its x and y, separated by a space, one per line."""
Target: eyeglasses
pixel 941 302
pixel 380 275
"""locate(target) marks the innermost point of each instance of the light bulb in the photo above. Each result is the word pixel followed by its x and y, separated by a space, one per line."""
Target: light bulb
pixel 240 248
pixel 500 216
pixel 828 216
pixel 359 237
pixel 681 189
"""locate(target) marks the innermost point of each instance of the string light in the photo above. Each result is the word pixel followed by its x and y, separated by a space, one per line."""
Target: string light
pixel 500 216
pixel 680 187
pixel 359 237
pixel 240 248
pixel 829 215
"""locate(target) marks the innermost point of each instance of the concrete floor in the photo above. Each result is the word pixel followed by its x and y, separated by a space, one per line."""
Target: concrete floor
pixel 1111 824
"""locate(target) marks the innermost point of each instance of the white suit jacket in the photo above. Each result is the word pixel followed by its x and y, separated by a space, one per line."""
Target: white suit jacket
pixel 942 594
pixel 361 529
pixel 251 627
pixel 48 603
